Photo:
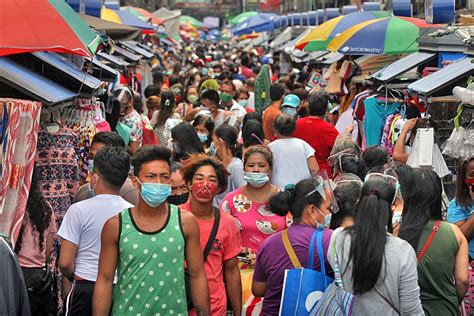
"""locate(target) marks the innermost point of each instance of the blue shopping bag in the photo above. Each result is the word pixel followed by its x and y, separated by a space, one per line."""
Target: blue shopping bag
pixel 303 287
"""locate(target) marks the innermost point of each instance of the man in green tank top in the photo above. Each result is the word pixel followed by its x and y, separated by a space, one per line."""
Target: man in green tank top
pixel 148 245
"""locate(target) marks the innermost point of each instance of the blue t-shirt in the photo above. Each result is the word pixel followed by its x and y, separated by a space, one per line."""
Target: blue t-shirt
pixel 457 213
pixel 375 115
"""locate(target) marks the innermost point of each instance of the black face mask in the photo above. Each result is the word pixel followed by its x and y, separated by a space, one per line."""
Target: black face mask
pixel 178 199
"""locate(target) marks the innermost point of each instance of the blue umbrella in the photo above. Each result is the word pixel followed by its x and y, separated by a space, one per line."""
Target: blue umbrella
pixel 263 22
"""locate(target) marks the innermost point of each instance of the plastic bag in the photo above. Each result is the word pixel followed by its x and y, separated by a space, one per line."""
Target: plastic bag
pixel 454 144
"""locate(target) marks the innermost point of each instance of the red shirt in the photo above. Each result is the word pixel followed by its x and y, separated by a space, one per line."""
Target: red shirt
pixel 227 245
pixel 246 72
pixel 320 135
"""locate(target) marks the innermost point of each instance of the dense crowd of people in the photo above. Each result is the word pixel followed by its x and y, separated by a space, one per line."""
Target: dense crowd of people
pixel 192 186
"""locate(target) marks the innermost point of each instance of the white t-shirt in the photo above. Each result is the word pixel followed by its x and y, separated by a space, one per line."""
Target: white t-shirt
pixel 82 225
pixel 290 164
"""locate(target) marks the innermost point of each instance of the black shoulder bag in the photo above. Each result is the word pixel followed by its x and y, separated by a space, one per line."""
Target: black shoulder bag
pixel 206 252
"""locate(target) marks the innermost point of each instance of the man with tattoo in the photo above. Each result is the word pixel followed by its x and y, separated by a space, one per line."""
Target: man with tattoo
pixel 148 245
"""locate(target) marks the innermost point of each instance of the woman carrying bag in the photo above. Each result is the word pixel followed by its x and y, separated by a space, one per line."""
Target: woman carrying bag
pixel 310 213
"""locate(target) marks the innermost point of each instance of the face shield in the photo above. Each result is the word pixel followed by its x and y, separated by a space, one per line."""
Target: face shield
pixel 392 177
pixel 325 189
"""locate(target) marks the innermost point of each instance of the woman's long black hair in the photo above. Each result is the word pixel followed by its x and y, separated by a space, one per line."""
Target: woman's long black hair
pixel 167 107
pixel 423 204
pixel 229 134
pixel 369 233
pixel 38 212
pixel 187 141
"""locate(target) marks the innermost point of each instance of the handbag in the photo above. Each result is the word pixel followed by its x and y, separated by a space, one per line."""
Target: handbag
pixel 302 287
pixel 207 250
pixel 335 300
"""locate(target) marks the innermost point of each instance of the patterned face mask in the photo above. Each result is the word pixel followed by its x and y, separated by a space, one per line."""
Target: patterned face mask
pixel 204 190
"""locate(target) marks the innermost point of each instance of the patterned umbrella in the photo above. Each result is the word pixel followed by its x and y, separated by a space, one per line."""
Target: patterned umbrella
pixel 389 36
pixel 319 38
pixel 123 17
pixel 44 25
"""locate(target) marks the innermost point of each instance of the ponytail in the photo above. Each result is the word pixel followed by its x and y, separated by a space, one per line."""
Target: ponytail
pixel 369 233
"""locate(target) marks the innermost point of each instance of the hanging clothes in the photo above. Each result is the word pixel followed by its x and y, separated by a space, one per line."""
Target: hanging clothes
pixel 376 112
pixel 57 161
pixel 18 150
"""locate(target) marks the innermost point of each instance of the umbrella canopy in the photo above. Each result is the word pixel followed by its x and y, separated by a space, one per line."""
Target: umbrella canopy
pixel 242 17
pixel 263 22
pixel 37 28
pixel 191 20
pixel 142 14
pixel 123 17
pixel 390 36
pixel 117 32
pixel 320 37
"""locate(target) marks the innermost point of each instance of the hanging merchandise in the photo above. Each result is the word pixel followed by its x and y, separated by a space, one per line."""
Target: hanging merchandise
pixel 19 134
pixel 426 153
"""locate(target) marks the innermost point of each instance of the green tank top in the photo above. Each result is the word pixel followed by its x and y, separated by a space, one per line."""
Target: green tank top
pixel 436 271
pixel 150 268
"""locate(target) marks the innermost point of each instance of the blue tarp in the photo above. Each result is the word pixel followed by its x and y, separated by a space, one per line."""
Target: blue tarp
pixel 34 85
pixel 131 20
pixel 263 22
pixel 448 57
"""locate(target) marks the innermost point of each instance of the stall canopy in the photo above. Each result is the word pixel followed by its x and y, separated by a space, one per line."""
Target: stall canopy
pixel 136 49
pixel 114 61
pixel 329 58
pixel 403 65
pixel 442 81
pixel 282 38
pixel 64 72
pixel 171 21
pixel 116 31
pixel 18 81
pixel 100 70
pixel 129 57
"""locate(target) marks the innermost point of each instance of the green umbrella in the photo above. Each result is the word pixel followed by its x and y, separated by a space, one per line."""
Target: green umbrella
pixel 193 21
pixel 242 17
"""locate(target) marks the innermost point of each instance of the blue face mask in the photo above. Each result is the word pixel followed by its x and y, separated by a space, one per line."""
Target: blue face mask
pixel 212 149
pixel 244 103
pixel 91 188
pixel 256 179
pixel 91 166
pixel 327 219
pixel 202 137
pixel 154 194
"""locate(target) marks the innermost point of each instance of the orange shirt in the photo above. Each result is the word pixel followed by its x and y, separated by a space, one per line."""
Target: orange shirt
pixel 268 117
pixel 227 245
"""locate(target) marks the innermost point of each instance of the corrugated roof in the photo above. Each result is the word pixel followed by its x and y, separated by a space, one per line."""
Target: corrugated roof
pixel 441 78
pixel 36 86
pixel 400 66
pixel 102 71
